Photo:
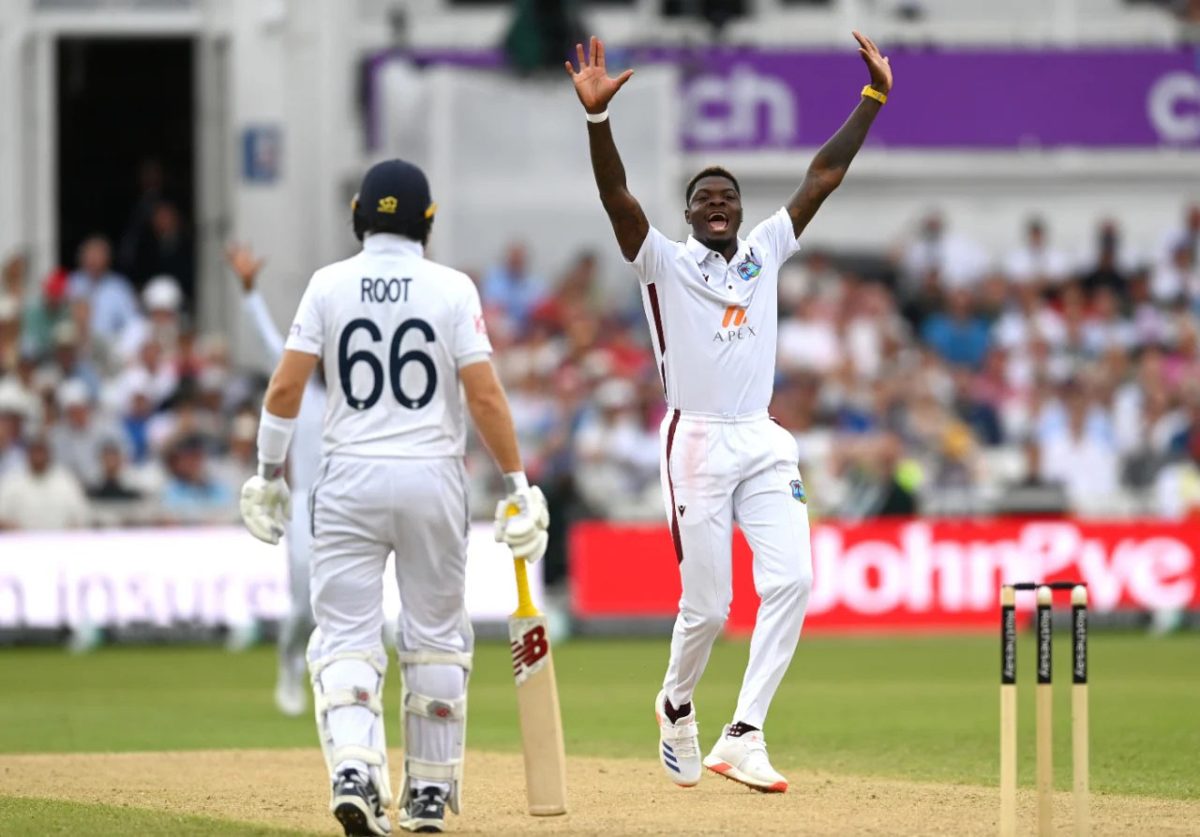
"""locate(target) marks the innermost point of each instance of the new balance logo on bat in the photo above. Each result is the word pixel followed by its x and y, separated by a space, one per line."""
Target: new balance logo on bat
pixel 529 649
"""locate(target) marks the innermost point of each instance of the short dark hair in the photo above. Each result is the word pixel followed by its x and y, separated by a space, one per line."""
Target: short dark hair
pixel 416 230
pixel 710 171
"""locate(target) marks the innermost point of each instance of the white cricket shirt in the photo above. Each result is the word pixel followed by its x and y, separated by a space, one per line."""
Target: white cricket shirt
pixel 714 323
pixel 392 328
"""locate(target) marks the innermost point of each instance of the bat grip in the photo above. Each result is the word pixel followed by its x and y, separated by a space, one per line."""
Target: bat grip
pixel 525 606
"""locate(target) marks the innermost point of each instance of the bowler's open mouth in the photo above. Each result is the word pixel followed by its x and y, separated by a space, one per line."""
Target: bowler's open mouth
pixel 718 222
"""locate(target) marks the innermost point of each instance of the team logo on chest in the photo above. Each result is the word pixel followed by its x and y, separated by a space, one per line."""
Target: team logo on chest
pixel 749 267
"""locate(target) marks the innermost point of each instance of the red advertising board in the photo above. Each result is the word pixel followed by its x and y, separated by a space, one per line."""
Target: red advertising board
pixel 905 575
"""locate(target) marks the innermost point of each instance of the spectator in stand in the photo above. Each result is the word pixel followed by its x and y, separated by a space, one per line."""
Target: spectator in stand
pixel 1105 328
pixel 113 485
pixel 512 288
pixel 151 369
pixel 162 300
pixel 1032 495
pixel 10 333
pixel 16 413
pixel 108 294
pixel 191 494
pixel 1177 489
pixel 1178 277
pixel 240 461
pixel 958 261
pixel 617 454
pixel 809 339
pixel 958 336
pixel 80 437
pixel 140 228
pixel 1186 235
pixel 1108 266
pixel 41 495
pixel 70 359
pixel 879 482
pixel 1036 262
pixel 136 407
pixel 1080 453
pixel 1150 324
pixel 167 250
pixel 1028 317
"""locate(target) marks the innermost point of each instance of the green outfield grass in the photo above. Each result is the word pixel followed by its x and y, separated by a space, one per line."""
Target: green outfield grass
pixel 39 816
pixel 917 708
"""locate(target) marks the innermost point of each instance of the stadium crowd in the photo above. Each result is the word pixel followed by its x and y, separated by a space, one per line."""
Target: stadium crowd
pixel 940 380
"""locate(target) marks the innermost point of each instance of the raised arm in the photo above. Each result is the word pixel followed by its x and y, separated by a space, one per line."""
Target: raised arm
pixel 595 90
pixel 827 169
pixel 246 266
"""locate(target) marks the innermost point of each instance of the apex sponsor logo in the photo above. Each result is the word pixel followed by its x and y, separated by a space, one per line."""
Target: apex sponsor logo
pixel 734 325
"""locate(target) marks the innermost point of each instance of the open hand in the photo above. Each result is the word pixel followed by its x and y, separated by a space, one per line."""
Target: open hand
pixel 877 63
pixel 593 85
pixel 244 263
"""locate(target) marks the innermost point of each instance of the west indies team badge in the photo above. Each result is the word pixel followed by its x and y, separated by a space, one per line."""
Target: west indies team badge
pixel 749 267
pixel 798 491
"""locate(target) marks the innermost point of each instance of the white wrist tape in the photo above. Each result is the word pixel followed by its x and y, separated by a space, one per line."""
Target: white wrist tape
pixel 516 481
pixel 597 118
pixel 274 436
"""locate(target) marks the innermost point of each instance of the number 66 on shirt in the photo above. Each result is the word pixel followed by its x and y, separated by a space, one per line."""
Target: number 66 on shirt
pixel 395 338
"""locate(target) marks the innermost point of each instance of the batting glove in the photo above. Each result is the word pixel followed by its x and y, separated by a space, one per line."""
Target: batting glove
pixel 521 522
pixel 266 507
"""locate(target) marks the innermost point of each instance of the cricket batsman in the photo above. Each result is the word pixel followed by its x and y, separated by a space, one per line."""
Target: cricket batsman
pixel 712 306
pixel 401 340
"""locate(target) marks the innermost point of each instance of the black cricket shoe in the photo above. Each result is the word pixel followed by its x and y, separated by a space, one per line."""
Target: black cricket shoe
pixel 426 811
pixel 356 805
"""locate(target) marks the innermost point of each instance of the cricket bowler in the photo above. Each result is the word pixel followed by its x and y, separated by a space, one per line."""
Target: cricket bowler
pixel 402 340
pixel 712 305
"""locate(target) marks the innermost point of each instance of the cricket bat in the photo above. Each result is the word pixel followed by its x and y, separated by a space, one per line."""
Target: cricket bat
pixel 537 704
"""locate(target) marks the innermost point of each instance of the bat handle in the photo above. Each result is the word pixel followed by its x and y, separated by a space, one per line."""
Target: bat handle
pixel 525 606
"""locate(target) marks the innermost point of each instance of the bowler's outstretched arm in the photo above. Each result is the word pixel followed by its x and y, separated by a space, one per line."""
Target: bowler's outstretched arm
pixel 595 90
pixel 829 166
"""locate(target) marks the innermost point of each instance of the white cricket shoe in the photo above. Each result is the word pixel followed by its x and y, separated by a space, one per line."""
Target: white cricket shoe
pixel 291 692
pixel 678 744
pixel 743 758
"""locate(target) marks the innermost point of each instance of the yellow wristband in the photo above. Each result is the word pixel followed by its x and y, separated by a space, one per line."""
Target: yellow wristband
pixel 871 93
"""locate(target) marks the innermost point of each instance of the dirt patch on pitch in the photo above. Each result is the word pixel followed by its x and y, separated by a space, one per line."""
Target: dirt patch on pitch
pixel 608 796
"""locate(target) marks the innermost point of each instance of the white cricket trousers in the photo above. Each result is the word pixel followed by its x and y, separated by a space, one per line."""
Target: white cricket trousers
pixel 363 509
pixel 716 471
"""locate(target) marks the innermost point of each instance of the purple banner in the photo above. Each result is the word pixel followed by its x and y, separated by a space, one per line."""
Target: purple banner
pixel 1109 98
pixel 748 99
